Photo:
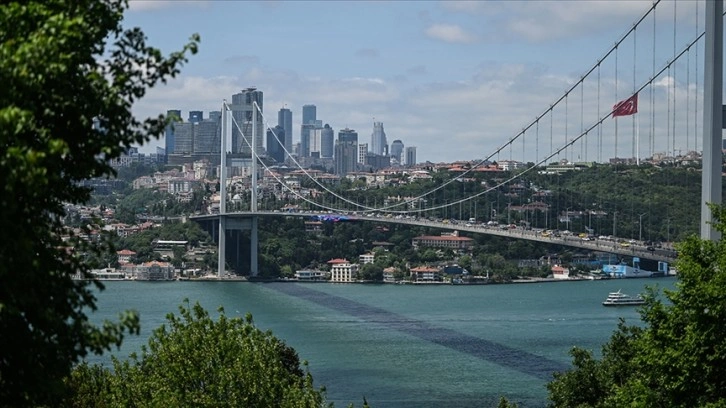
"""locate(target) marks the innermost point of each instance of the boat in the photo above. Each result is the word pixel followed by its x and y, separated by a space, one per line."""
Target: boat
pixel 621 299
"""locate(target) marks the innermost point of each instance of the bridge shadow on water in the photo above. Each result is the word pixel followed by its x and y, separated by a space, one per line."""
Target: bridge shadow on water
pixel 519 360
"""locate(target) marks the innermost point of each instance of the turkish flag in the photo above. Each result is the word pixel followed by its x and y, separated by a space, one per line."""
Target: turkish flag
pixel 626 107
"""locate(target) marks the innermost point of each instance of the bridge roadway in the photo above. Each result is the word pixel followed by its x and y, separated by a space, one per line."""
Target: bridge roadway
pixel 626 248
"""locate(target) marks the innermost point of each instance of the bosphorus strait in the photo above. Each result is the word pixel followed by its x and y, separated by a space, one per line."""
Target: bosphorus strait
pixel 407 345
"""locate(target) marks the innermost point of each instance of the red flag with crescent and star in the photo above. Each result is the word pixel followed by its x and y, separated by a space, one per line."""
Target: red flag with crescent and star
pixel 626 107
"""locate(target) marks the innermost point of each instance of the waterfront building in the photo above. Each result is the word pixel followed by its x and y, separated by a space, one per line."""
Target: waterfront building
pixel 410 156
pixel 379 145
pixel 311 275
pixel 152 271
pixel 242 109
pixel 367 258
pixel 426 274
pixel 284 120
pixel 397 150
pixel 276 139
pixel 343 271
pixel 560 272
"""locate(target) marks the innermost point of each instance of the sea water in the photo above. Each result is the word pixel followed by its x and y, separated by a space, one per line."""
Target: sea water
pixel 406 345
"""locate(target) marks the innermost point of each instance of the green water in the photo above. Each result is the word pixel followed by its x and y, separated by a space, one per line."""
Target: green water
pixel 406 345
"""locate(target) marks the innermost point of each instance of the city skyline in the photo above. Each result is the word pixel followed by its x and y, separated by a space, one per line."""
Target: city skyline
pixel 497 64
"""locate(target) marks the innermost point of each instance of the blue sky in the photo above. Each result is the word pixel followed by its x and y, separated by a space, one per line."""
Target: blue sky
pixel 455 79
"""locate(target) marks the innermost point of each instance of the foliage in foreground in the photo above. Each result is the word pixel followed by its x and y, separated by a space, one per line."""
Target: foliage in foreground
pixel 194 360
pixel 70 74
pixel 678 359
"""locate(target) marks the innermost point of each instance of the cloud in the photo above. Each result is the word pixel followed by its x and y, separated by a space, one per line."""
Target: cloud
pixel 149 5
pixel 242 60
pixel 542 21
pixel 367 53
pixel 417 70
pixel 449 33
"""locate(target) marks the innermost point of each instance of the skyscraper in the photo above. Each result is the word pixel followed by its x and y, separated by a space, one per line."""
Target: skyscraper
pixel 362 153
pixel 309 114
pixel 411 156
pixel 327 140
pixel 196 116
pixel 345 158
pixel 309 117
pixel 274 147
pixel 169 139
pixel 242 114
pixel 206 137
pixel 379 145
pixel 284 120
pixel 183 138
pixel 397 150
pixel 348 136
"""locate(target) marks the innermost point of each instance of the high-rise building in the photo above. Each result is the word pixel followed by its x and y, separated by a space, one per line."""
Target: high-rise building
pixel 184 138
pixel 284 120
pixel 379 145
pixel 397 150
pixel 362 153
pixel 242 108
pixel 276 138
pixel 215 116
pixel 411 156
pixel 309 114
pixel 206 136
pixel 327 140
pixel 348 136
pixel 309 118
pixel 345 158
pixel 196 116
pixel 169 139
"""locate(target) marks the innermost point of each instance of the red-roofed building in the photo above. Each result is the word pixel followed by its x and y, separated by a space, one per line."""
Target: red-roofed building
pixel 425 274
pixel 125 255
pixel 560 272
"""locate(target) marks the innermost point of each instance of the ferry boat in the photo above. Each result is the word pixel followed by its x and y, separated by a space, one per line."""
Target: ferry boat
pixel 621 299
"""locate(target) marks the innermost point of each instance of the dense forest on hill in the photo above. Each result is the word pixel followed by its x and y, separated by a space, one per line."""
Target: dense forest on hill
pixel 609 199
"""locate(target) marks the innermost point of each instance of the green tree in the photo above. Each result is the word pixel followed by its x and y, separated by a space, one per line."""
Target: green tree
pixel 194 360
pixel 70 74
pixel 678 359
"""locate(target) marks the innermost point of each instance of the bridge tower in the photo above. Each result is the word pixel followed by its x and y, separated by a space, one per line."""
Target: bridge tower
pixel 236 223
pixel 712 117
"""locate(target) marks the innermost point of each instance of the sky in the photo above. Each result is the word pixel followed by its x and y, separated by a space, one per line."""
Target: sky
pixel 456 79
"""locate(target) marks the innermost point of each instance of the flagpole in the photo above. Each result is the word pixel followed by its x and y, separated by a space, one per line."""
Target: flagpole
pixel 637 141
pixel 616 137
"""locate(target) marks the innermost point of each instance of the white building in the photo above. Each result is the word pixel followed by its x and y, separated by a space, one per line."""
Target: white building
pixel 343 271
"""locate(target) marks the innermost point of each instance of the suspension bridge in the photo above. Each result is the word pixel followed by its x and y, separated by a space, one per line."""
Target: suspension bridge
pixel 653 98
